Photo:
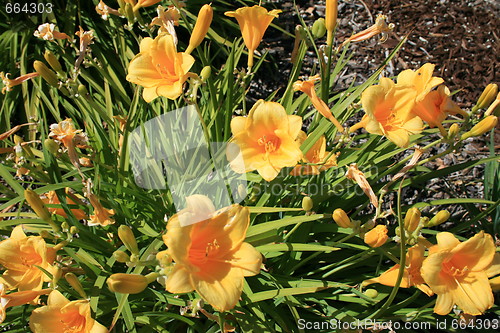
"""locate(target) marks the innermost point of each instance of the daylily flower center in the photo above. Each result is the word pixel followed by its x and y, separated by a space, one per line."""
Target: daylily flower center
pixel 450 269
pixel 199 255
pixel 74 323
pixel 29 257
pixel 270 143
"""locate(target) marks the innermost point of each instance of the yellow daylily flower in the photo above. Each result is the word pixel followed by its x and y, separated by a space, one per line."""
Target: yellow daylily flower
pixel 411 273
pixel 388 112
pixel 377 236
pixel 266 140
pixel 211 256
pixel 420 80
pixel 66 316
pixel 316 155
pixel 159 68
pixel 253 22
pixel 307 87
pixel 458 273
pixel 20 255
pixel 18 298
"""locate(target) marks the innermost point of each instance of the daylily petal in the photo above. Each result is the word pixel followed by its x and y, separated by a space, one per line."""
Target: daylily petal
pixel 248 259
pixel 179 281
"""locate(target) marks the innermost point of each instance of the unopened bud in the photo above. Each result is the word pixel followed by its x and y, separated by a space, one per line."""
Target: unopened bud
pixel 319 28
pixel 121 256
pixel 340 217
pixel 482 127
pixel 65 226
pixel 127 237
pixel 82 90
pixel 205 73
pixel 127 283
pixel 377 236
pixel 307 204
pixel 75 283
pixel 441 217
pixel 47 74
pixel 73 230
pixel 487 96
pixel 494 108
pixel 201 27
pixel 331 19
pixel 412 219
pixel 37 205
pixel 453 130
pixel 45 234
pixel 164 258
pixel 372 293
pixel 51 146
pixel 53 61
pixel 56 275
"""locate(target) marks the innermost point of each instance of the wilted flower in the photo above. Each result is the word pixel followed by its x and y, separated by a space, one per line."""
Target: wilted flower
pixel 411 274
pixel 377 236
pixel 201 27
pixel 317 156
pixel 8 83
pixel 159 68
pixel 307 87
pixel 359 177
pixel 266 140
pixel 457 273
pixel 380 27
pixel 20 255
pixel 167 18
pixel 51 198
pixel 101 216
pixel 388 112
pixel 253 22
pixel 46 31
pixel 86 38
pixel 66 316
pixel 104 10
pixel 70 137
pixel 211 257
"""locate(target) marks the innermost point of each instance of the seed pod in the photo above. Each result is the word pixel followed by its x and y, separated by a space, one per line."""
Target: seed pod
pixel 201 27
pixel 319 28
pixel 340 217
pixel 372 293
pixel 48 75
pixel 307 204
pixel 482 127
pixel 205 73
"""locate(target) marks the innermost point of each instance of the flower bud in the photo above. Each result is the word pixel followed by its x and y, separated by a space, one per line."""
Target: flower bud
pixel 56 275
pixel 307 204
pixel 127 237
pixel 37 205
pixel 377 236
pixel 127 283
pixel 82 90
pixel 51 146
pixel 341 218
pixel 441 217
pixel 494 108
pixel 75 283
pixel 412 219
pixel 73 230
pixel 331 18
pixel 372 293
pixel 319 28
pixel 482 127
pixel 205 73
pixel 121 256
pixel 53 62
pixel 453 130
pixel 47 74
pixel 164 258
pixel 487 96
pixel 201 27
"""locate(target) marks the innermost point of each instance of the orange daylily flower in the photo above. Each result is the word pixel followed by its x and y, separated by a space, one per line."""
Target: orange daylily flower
pixel 159 68
pixel 377 236
pixel 66 133
pixel 458 273
pixel 86 38
pixel 388 112
pixel 253 22
pixel 316 155
pixel 211 256
pixel 51 198
pixel 101 216
pixel 379 28
pixel 307 87
pixel 266 140
pixel 435 107
pixel 411 274
pixel 46 31
pixel 18 298
pixel 20 255
pixel 8 83
pixel 64 316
